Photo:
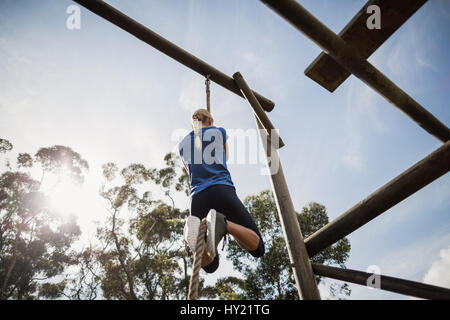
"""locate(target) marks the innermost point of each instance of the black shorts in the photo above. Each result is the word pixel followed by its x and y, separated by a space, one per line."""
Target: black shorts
pixel 223 198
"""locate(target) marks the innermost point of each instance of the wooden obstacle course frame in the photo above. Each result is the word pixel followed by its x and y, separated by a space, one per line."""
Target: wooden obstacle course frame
pixel 436 164
pixel 347 57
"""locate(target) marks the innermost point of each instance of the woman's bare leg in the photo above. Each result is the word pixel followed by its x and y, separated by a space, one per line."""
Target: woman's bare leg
pixel 245 237
pixel 206 259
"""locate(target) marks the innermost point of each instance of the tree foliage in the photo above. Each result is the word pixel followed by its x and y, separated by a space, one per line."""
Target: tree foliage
pixel 138 251
pixel 5 146
pixel 143 256
pixel 35 241
pixel 271 277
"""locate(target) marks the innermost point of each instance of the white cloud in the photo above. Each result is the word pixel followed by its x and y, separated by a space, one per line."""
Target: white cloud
pixel 412 48
pixel 254 64
pixel 353 156
pixel 439 272
pixel 405 263
pixel 324 289
pixel 396 59
pixel 192 96
pixel 413 262
pixel 422 61
pixel 428 199
pixel 363 118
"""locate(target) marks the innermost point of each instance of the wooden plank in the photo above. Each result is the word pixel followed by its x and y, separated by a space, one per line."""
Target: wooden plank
pixel 303 274
pixel 415 178
pixel 143 33
pixel 394 13
pixel 347 57
pixel 407 287
pixel 302 269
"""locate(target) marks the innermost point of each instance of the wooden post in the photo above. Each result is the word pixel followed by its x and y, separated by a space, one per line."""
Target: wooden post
pixel 143 33
pixel 304 277
pixel 415 178
pixel 348 57
pixel 259 112
pixel 410 288
pixel 303 274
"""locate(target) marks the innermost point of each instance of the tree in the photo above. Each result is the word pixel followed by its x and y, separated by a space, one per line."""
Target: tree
pixel 142 255
pixel 139 251
pixel 35 241
pixel 270 277
pixel 5 146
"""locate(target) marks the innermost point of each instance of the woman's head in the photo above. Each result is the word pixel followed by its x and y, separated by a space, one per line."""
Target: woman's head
pixel 201 118
pixel 204 116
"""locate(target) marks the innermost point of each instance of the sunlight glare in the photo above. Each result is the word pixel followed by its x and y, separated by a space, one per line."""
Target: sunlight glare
pixel 66 197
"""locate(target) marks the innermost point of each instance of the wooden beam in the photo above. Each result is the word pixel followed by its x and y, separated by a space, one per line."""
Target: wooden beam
pixel 407 287
pixel 415 178
pixel 302 270
pixel 303 274
pixel 143 33
pixel 257 109
pixel 394 13
pixel 301 265
pixel 347 57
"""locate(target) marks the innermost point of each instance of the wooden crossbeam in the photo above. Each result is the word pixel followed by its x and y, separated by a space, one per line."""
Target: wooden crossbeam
pixel 407 287
pixel 394 13
pixel 349 58
pixel 143 33
pixel 415 178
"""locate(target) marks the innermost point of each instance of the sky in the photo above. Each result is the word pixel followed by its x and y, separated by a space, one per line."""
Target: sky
pixel 111 97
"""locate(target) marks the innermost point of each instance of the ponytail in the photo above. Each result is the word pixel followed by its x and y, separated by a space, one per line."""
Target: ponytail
pixel 197 124
pixel 198 119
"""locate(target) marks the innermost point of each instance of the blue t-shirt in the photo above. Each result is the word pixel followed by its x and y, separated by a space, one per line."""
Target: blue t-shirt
pixel 207 165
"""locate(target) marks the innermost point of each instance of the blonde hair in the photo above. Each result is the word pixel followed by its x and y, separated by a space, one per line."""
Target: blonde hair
pixel 198 119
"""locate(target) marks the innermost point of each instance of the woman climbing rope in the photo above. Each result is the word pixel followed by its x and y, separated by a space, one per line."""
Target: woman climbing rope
pixel 204 153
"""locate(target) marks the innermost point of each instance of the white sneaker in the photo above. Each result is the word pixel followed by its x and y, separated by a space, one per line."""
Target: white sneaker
pixel 191 232
pixel 210 233
pixel 217 229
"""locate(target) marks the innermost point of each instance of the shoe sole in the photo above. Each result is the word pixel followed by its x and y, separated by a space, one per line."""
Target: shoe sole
pixel 191 229
pixel 211 237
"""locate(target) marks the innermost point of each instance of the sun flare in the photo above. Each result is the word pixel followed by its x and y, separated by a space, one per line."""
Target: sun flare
pixel 66 197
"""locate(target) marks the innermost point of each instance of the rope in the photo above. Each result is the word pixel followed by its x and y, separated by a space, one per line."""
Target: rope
pixel 201 244
pixel 208 103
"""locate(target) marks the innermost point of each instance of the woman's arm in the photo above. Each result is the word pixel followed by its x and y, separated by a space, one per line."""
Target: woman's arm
pixel 225 146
